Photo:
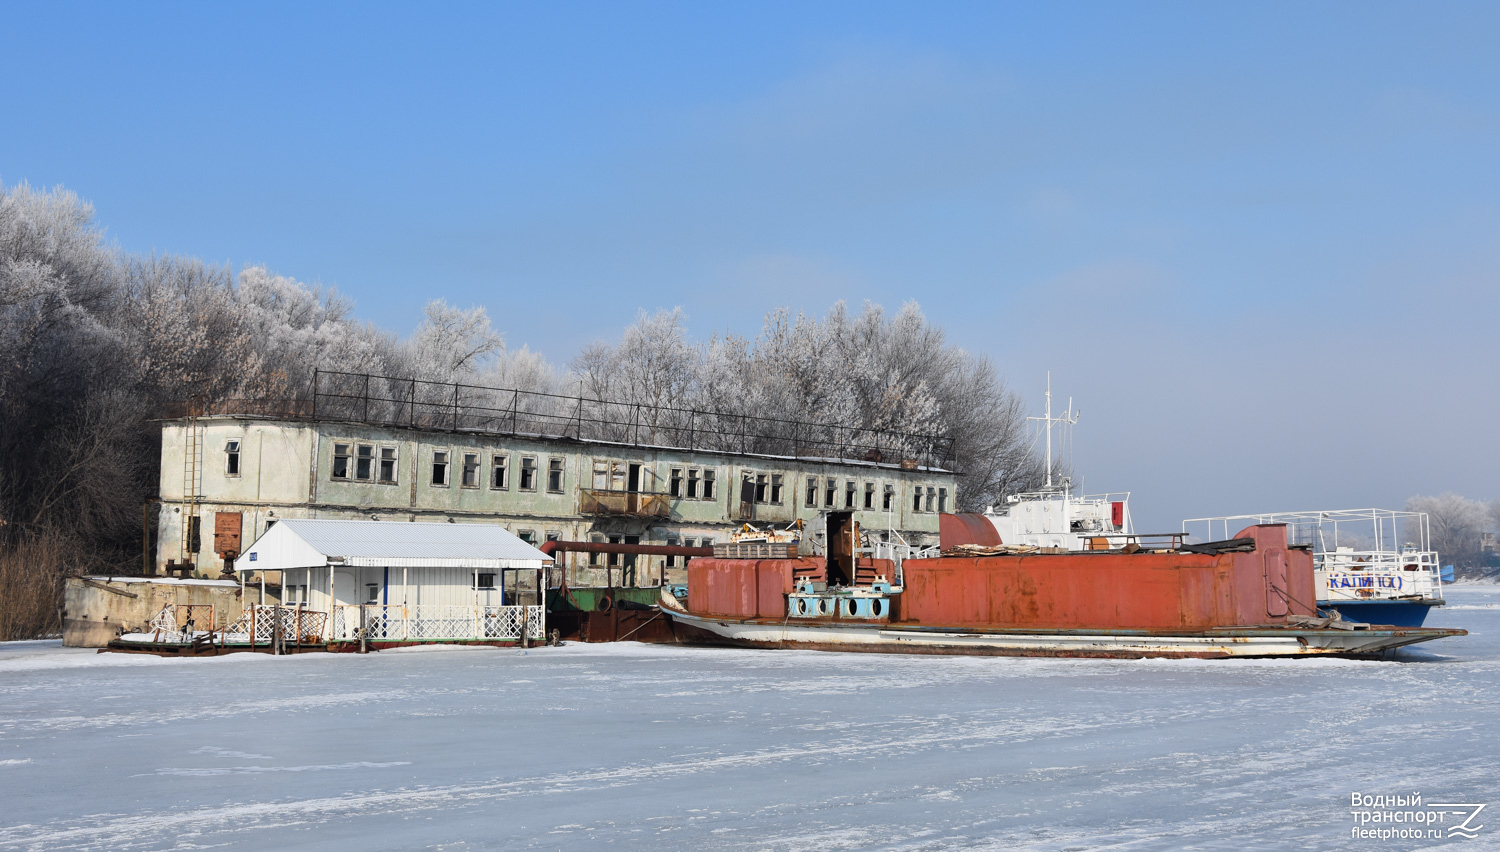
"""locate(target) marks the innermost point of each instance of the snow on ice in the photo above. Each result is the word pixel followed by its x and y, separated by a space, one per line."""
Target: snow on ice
pixel 638 746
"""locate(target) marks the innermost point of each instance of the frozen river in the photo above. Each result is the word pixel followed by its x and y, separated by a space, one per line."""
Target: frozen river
pixel 637 746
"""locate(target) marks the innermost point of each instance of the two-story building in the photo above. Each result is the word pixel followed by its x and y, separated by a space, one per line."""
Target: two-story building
pixel 226 478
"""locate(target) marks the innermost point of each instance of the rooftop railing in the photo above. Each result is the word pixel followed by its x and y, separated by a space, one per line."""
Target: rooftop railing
pixel 416 404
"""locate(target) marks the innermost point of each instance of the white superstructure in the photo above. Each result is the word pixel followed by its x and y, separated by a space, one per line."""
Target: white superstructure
pixel 1359 555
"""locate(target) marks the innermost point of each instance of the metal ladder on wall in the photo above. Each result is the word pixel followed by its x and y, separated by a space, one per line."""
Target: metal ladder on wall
pixel 192 485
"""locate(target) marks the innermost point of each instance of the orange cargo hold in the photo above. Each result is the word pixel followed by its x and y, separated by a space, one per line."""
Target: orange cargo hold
pixel 1146 591
pixel 744 588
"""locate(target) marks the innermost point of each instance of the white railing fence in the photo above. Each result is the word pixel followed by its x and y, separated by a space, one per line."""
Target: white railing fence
pixel 1356 575
pixel 259 623
pixel 395 623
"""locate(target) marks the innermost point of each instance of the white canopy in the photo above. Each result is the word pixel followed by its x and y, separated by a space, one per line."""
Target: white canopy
pixel 295 543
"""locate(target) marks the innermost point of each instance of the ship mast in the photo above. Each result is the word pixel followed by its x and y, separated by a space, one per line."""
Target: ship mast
pixel 1069 417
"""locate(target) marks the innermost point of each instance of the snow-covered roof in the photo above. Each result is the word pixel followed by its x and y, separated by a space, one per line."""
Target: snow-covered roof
pixel 296 543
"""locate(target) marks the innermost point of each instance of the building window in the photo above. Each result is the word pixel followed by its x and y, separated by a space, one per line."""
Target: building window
pixel 484 582
pixel 232 458
pixel 528 536
pixel 364 463
pixel 691 483
pixel 614 558
pixel 554 535
pixel 388 456
pixel 888 501
pixel 849 492
pixel 470 473
pixel 555 476
pixel 528 473
pixel 869 495
pixel 760 488
pixel 596 539
pixel 931 495
pixel 942 499
pixel 372 593
pixel 776 488
pixel 831 493
pixel 340 461
pixel 295 594
pixel 439 467
pixel 812 492
pixel 916 500
pixel 500 472
pixel 672 541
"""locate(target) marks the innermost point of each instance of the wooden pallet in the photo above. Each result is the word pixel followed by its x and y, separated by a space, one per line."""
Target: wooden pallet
pixel 756 550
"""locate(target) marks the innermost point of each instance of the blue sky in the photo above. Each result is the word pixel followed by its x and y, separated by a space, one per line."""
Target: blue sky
pixel 1258 244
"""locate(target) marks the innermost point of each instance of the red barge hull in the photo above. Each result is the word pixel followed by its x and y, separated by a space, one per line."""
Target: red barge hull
pixel 1258 602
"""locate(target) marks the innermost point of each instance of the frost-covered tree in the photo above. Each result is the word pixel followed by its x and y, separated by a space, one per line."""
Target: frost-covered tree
pixel 858 374
pixel 1454 523
pixel 95 343
pixel 300 328
pixel 451 344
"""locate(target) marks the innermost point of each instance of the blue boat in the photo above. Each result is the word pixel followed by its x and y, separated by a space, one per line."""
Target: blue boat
pixel 1372 565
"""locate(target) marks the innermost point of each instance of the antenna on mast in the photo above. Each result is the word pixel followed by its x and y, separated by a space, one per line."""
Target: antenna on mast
pixel 1070 417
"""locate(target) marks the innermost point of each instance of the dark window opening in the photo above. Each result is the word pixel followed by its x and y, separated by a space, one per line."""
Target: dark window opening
pixel 528 473
pixel 484 581
pixel 439 468
pixel 232 458
pixel 674 482
pixel 364 463
pixel 776 488
pixel 692 483
pixel 388 465
pixel 500 472
pixel 869 495
pixel 471 470
pixel 555 475
pixel 340 461
pixel 708 484
pixel 831 493
pixel 849 492
pixel 812 491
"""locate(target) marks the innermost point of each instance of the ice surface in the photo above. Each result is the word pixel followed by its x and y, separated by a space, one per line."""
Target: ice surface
pixel 650 747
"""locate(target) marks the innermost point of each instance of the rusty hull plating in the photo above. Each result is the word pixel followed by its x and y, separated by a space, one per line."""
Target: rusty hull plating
pixel 1251 602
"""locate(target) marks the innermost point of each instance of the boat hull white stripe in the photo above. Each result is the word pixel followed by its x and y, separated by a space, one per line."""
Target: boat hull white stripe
pixel 1249 642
